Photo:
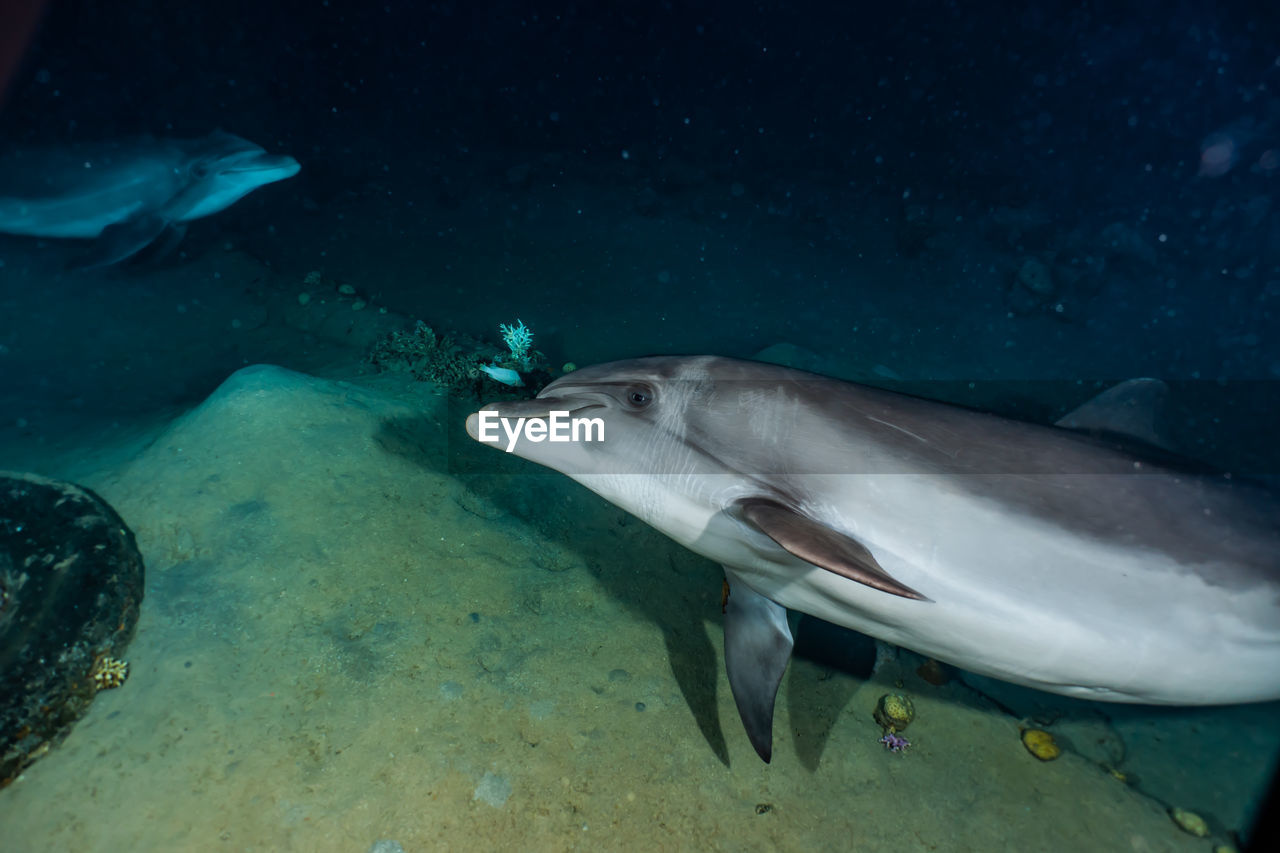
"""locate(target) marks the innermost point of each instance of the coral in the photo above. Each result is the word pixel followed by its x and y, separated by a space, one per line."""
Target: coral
pixel 894 712
pixel 109 673
pixel 519 341
pixel 894 743
pixel 461 364
pixel 430 358
pixel 1041 744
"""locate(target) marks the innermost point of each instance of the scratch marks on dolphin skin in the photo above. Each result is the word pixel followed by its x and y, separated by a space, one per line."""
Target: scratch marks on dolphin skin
pixel 918 438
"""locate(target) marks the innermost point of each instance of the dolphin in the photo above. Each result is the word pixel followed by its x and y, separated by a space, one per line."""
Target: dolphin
pixel 1056 558
pixel 128 193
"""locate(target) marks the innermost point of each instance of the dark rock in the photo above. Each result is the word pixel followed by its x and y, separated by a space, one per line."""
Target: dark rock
pixel 71 582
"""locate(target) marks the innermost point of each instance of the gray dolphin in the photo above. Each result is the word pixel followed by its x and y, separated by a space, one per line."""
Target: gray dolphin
pixel 129 193
pixel 1039 555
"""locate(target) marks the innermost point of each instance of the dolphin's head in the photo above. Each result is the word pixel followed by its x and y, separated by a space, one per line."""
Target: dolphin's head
pixel 646 437
pixel 224 168
pixel 634 403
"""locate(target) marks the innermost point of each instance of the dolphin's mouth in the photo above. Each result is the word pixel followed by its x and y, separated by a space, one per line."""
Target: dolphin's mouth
pixel 284 164
pixel 262 163
pixel 539 408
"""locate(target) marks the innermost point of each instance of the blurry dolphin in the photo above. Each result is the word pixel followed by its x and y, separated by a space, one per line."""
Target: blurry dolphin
pixel 129 193
pixel 1035 554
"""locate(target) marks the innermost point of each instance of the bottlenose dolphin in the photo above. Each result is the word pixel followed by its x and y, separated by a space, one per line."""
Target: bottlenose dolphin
pixel 129 193
pixel 1044 556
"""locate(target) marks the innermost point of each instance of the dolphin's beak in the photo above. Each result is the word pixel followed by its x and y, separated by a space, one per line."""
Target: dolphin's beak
pixel 281 166
pixel 473 425
pixel 539 407
pixel 514 409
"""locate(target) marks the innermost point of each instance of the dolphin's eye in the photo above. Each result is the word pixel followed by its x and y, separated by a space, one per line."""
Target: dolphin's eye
pixel 639 396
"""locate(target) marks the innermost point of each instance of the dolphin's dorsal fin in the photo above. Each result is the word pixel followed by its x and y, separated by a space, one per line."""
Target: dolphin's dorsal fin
pixel 1129 409
pixel 818 544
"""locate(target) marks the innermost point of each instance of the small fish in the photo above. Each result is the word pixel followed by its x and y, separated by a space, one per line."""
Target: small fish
pixel 505 375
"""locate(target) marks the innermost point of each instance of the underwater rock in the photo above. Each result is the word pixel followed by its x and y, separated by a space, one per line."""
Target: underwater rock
pixel 934 672
pixel 71 582
pixel 1190 822
pixel 1041 744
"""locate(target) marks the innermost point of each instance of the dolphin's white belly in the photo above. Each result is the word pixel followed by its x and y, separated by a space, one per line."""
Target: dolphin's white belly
pixel 1018 598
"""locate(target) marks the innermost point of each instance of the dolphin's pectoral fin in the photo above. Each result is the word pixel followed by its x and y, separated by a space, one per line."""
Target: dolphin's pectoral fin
pixel 757 647
pixel 820 545
pixel 164 245
pixel 124 240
